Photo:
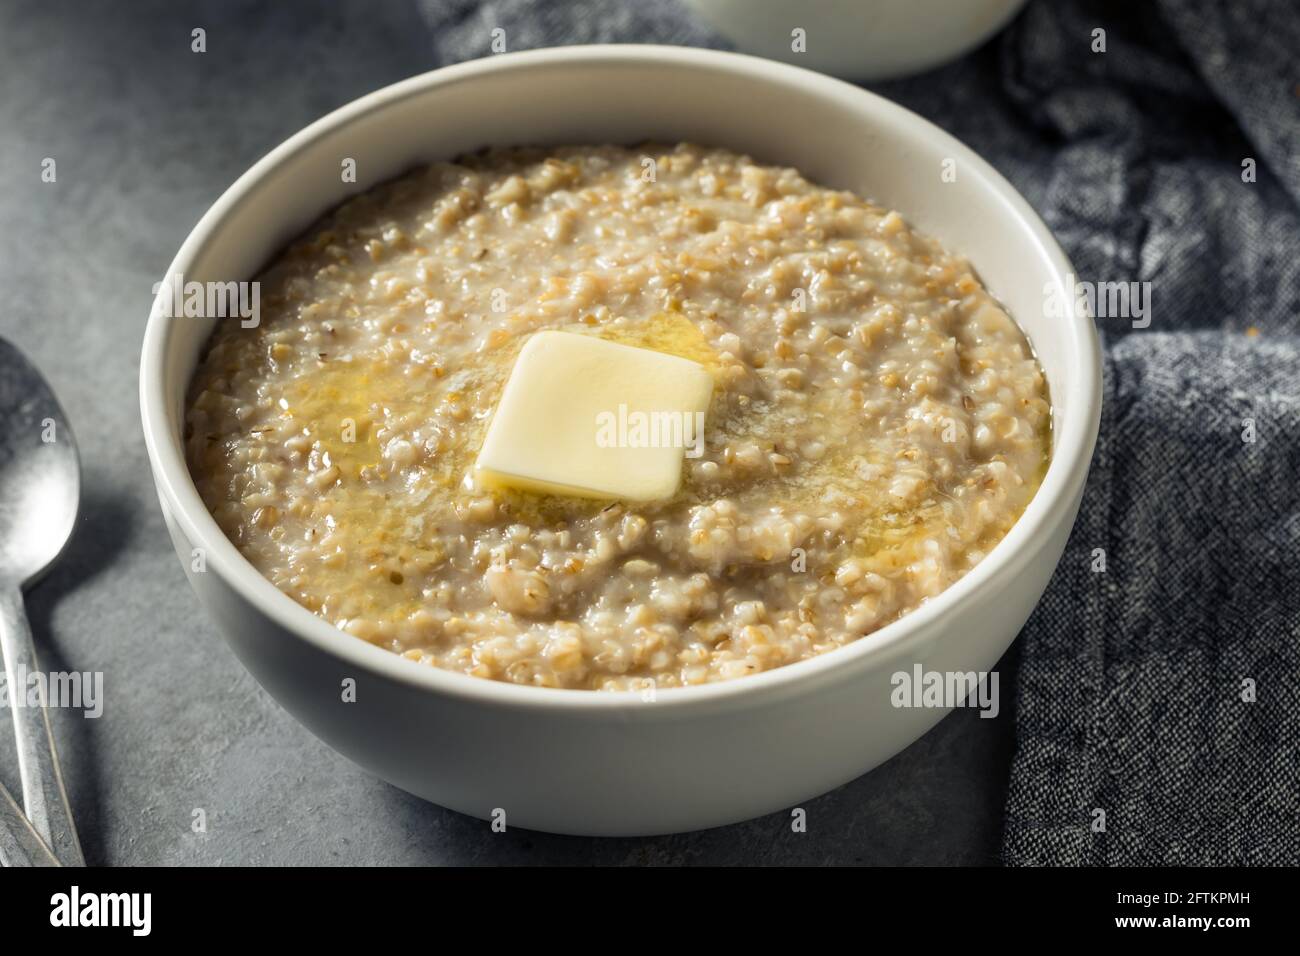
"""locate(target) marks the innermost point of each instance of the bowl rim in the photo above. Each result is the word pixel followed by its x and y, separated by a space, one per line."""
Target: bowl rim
pixel 1053 500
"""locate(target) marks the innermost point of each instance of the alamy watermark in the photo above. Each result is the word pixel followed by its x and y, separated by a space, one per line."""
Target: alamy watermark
pixel 177 298
pixel 75 908
pixel 62 689
pixel 921 688
pixel 638 429
pixel 1103 300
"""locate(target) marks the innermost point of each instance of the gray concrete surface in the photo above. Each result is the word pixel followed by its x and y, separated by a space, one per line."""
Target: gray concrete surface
pixel 146 134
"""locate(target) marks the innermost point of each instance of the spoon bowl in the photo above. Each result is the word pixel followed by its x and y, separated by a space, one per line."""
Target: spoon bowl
pixel 40 472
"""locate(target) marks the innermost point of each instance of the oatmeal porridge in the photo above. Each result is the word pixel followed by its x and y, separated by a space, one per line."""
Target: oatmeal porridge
pixel 877 422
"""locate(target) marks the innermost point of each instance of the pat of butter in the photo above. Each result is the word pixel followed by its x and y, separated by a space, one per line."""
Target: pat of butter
pixel 589 418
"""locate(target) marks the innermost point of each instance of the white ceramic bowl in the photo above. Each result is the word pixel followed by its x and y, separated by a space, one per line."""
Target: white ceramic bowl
pixel 859 39
pixel 612 763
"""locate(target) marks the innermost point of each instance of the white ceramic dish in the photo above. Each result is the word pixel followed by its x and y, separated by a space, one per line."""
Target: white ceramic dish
pixel 859 39
pixel 581 761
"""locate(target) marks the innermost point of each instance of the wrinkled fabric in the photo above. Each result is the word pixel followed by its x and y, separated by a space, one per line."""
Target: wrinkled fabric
pixel 1157 712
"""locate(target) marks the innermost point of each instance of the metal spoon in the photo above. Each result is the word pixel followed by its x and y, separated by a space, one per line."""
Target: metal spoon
pixel 40 485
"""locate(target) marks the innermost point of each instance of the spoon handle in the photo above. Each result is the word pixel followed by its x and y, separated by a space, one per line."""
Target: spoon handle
pixel 44 797
pixel 19 844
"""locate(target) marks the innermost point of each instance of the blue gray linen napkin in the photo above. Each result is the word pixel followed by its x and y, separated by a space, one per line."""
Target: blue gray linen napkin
pixel 1158 694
